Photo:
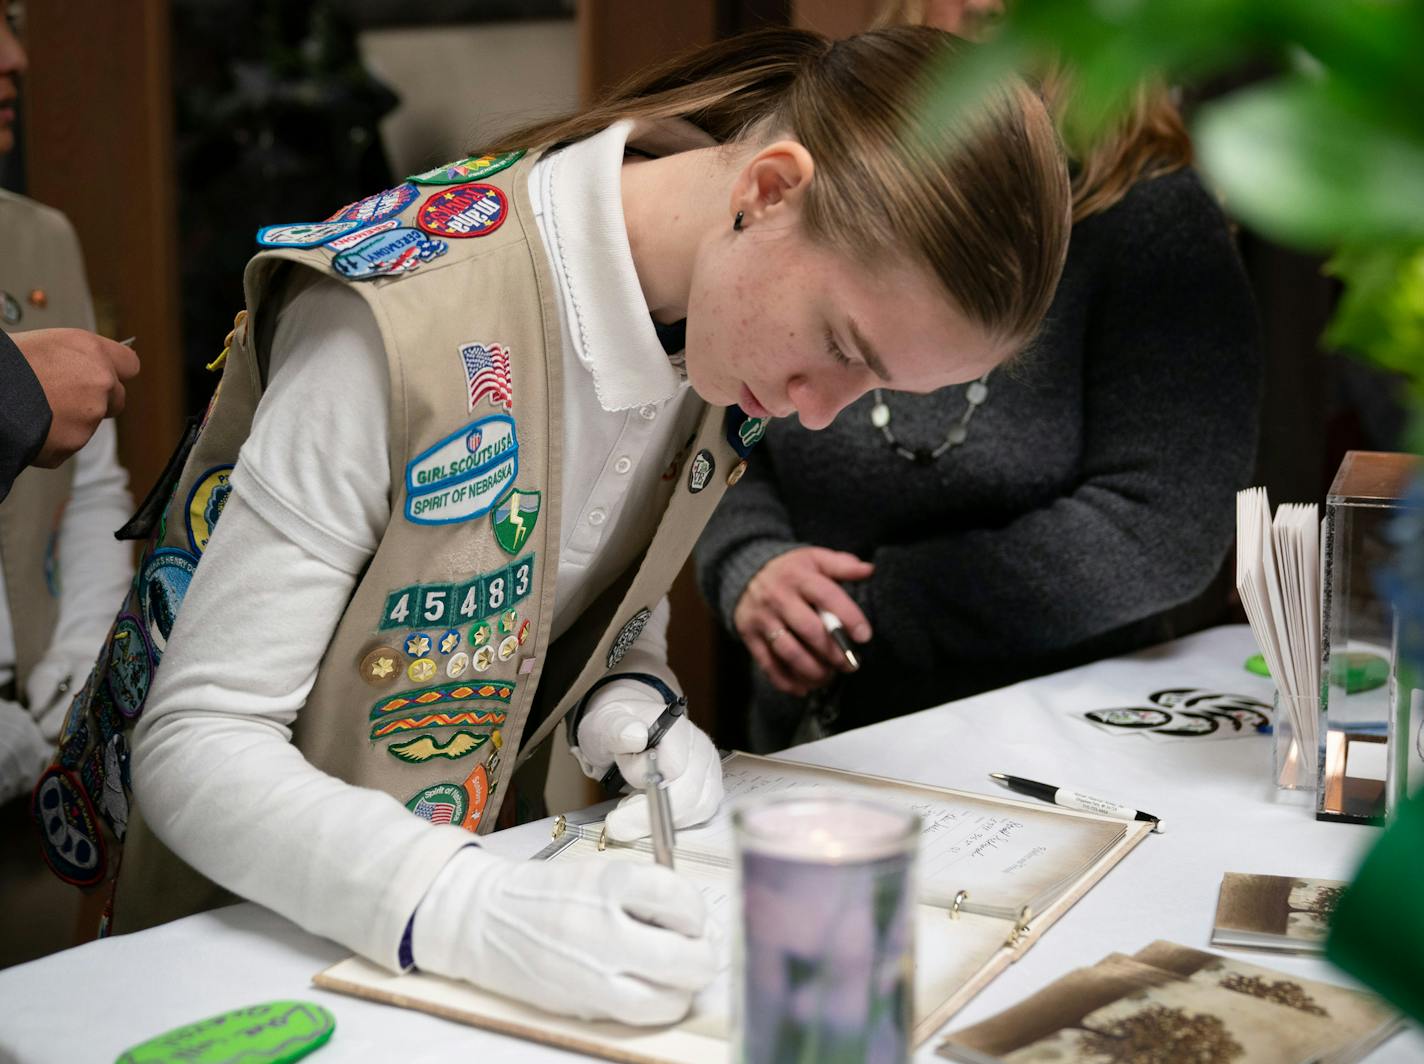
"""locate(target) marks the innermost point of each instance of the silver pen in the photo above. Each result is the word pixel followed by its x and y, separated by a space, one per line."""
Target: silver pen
pixel 659 813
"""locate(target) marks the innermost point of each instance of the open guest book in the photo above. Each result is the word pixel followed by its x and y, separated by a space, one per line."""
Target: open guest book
pixel 994 874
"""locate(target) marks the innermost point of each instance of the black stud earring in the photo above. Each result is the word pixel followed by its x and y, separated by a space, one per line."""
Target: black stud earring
pixel 737 222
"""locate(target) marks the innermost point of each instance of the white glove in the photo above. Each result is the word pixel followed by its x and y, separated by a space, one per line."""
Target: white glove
pixel 615 728
pixel 598 939
pixel 24 751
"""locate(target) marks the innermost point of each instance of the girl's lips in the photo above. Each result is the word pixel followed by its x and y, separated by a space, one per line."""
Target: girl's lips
pixel 748 403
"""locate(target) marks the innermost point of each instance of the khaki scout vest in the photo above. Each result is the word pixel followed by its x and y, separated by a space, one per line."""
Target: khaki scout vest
pixel 440 677
pixel 42 286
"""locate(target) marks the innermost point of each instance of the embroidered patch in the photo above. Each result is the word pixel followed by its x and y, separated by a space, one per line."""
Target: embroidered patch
pixel 398 250
pixel 422 670
pixel 699 473
pixel 493 691
pixel 205 505
pixel 477 793
pixel 507 647
pixel 358 236
pixel 451 605
pixel 422 749
pixel 470 169
pixel 417 644
pixel 744 432
pixel 487 374
pixel 10 310
pixel 130 666
pixel 380 665
pixel 106 783
pixel 482 658
pixel 457 665
pixel 165 580
pixel 69 829
pixel 515 518
pixel 627 636
pixel 464 475
pixel 474 718
pixel 444 803
pixel 302 234
pixel 379 207
pixel 464 211
pixel 74 738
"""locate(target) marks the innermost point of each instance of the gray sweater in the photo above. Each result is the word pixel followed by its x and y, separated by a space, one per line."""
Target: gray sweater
pixel 1093 493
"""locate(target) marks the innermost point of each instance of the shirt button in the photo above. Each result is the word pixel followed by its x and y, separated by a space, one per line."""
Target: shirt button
pixel 623 464
pixel 597 517
pixel 648 412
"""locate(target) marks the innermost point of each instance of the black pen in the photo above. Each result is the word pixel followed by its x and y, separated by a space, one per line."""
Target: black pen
pixel 1072 799
pixel 613 779
pixel 838 633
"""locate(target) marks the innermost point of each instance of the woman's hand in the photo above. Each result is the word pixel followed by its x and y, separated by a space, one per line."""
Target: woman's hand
pixel 778 616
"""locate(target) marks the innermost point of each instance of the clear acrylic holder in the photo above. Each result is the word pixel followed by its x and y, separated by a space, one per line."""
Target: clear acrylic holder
pixel 1293 768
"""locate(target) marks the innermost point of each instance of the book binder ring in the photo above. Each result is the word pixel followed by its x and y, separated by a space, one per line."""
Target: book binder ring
pixel 959 899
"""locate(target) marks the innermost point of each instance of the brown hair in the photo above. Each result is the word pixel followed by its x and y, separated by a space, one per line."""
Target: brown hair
pixel 984 205
pixel 1147 140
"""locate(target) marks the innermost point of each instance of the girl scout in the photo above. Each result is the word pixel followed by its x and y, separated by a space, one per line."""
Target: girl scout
pixel 460 449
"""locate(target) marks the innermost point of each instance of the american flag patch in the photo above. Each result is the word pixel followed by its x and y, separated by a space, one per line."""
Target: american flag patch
pixel 435 812
pixel 487 374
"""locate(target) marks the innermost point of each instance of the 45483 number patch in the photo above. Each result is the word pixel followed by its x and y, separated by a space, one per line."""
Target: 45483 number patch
pixel 451 605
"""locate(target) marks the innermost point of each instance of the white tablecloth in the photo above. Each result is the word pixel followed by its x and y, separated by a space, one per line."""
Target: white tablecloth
pixel 1219 811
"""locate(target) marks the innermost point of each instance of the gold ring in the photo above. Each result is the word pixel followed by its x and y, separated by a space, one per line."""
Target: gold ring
pixel 775 634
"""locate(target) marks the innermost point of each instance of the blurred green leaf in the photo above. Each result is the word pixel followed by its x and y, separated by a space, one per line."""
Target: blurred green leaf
pixel 1382 310
pixel 1296 162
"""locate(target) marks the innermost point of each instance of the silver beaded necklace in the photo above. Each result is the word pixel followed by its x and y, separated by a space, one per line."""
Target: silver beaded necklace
pixel 974 395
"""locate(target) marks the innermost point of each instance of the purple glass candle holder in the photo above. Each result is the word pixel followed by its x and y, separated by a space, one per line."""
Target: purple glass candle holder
pixel 826 944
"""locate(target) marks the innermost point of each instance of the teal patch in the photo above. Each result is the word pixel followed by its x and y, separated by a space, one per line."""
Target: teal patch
pixel 275 1032
pixel 130 666
pixel 453 605
pixel 444 803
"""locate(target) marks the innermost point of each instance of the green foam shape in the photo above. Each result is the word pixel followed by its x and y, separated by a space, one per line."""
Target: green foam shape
pixel 1257 663
pixel 271 1033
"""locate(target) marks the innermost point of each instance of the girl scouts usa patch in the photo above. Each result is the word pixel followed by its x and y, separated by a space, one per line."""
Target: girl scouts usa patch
pixel 463 211
pixel 464 475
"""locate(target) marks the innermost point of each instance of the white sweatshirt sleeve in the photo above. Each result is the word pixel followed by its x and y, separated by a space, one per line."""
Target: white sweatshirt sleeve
pixel 94 574
pixel 214 770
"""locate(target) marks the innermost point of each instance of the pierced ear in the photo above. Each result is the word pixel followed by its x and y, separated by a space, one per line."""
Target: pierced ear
pixel 773 183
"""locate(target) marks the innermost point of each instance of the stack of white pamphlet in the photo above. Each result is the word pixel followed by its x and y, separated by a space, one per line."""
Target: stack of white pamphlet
pixel 1278 578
